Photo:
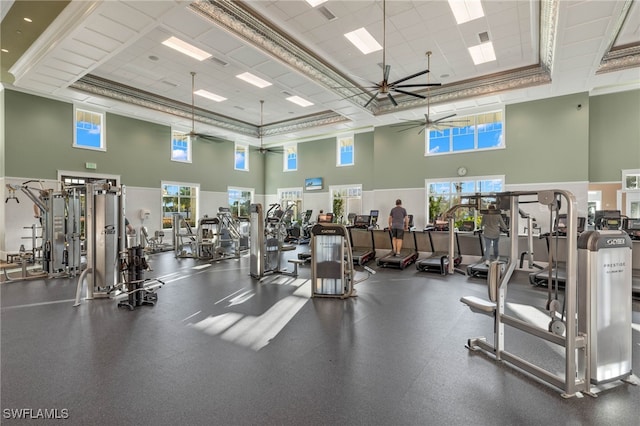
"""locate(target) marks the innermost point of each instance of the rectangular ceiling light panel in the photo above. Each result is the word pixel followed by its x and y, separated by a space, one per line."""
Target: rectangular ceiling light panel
pixel 209 95
pixel 466 10
pixel 256 81
pixel 299 101
pixel 186 48
pixel 363 41
pixel 482 53
pixel 314 3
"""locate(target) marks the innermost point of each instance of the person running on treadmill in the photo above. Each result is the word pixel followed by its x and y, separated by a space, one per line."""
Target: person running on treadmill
pixel 398 223
pixel 491 226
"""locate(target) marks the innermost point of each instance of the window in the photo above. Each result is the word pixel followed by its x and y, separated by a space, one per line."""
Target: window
pixel 179 198
pixel 88 129
pixel 444 194
pixel 290 158
pixel 482 131
pixel 631 180
pixel 345 199
pixel 291 197
pixel 346 150
pixel 180 146
pixel 241 158
pixel 239 201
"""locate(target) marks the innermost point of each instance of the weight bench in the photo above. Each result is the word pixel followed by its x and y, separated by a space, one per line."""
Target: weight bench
pixel 295 263
pixel 482 306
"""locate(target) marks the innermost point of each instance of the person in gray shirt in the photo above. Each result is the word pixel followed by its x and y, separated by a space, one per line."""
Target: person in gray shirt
pixel 398 223
pixel 491 226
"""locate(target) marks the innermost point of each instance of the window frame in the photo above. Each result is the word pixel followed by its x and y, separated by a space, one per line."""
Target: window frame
pixel 451 194
pixel 285 157
pixel 251 191
pixel 626 173
pixel 188 141
pixel 476 138
pixel 351 196
pixel 237 148
pixel 339 139
pixel 195 215
pixel 294 195
pixel 103 131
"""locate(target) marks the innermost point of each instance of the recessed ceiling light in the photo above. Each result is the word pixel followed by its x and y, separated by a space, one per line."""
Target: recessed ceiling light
pixel 28 19
pixel 482 53
pixel 363 41
pixel 314 3
pixel 256 81
pixel 299 101
pixel 5 50
pixel 153 58
pixel 186 48
pixel 466 10
pixel 209 95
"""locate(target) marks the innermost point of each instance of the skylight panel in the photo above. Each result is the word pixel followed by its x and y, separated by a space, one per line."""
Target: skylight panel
pixel 466 10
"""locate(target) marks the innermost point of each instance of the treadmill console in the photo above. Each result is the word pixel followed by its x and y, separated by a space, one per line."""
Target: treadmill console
pixel 374 218
pixel 325 218
pixel 362 221
pixel 608 219
pixel 632 227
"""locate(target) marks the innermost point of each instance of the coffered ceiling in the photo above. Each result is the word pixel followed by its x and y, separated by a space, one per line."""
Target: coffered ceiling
pixel 109 55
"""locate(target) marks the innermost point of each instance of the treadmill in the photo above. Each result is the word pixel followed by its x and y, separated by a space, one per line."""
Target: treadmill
pixel 438 260
pixel 362 248
pixel 408 254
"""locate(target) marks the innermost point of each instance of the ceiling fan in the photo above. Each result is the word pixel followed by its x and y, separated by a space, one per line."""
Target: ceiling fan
pixel 428 123
pixel 192 133
pixel 263 149
pixel 385 87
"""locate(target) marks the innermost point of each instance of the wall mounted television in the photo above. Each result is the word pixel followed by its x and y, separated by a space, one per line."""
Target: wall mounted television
pixel 313 184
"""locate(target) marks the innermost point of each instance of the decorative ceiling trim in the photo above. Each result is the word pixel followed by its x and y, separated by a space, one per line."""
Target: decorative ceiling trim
pixel 245 23
pixel 102 87
pixel 520 78
pixel 620 57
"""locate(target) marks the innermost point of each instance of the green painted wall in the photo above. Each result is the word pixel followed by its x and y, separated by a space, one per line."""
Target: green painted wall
pixel 614 135
pixel 546 141
pixel 318 159
pixel 39 135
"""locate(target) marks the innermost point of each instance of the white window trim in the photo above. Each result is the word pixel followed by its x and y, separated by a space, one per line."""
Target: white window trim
pixel 189 146
pixel 252 191
pixel 284 157
pixel 103 128
pixel 427 182
pixel 246 158
pixel 338 139
pixel 169 182
pixel 466 151
pixel 623 182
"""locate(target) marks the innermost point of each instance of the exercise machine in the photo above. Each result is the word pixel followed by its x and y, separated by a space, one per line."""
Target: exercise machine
pixel 572 322
pixel 265 247
pixel 362 247
pixel 440 259
pixel 408 254
pixel 632 227
pixel 112 268
pixel 331 262
pixel 607 219
pixel 185 240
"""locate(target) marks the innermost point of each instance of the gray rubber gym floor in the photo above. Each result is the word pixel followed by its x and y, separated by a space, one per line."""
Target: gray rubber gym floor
pixel 222 349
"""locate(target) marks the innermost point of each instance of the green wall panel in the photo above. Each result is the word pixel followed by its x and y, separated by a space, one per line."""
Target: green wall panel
pixel 39 135
pixel 614 135
pixel 318 159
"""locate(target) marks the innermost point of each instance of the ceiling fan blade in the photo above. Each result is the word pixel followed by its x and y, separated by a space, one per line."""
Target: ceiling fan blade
pixel 371 99
pixel 444 118
pixel 419 85
pixel 409 93
pixel 422 130
pixel 392 100
pixel 409 77
pixel 387 71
